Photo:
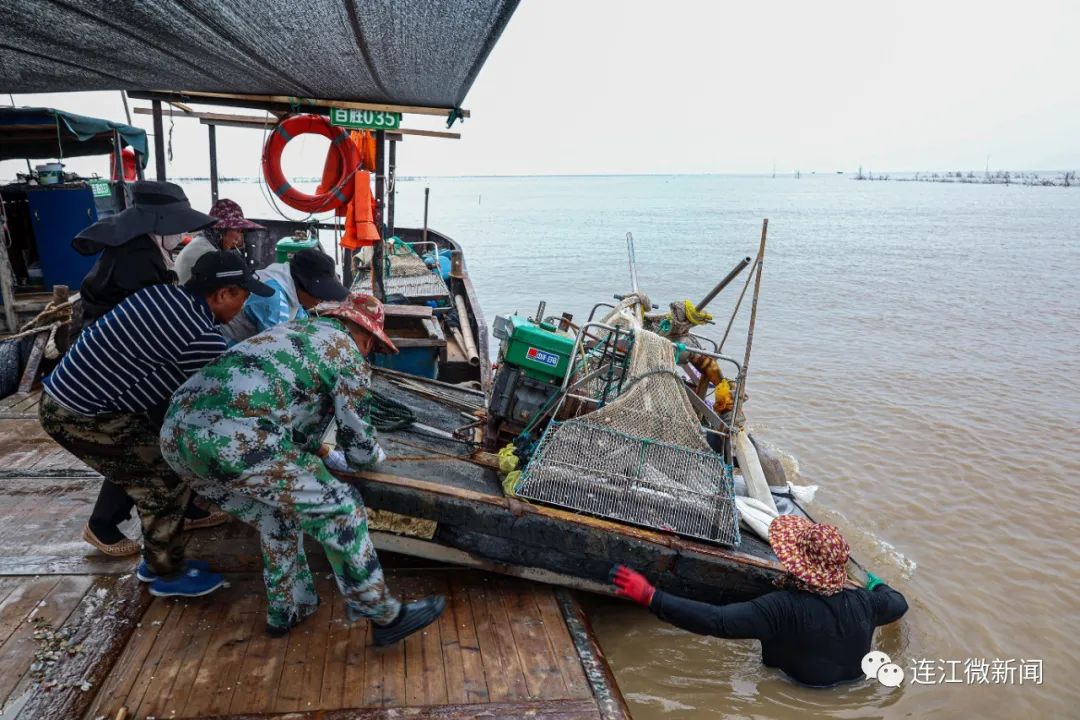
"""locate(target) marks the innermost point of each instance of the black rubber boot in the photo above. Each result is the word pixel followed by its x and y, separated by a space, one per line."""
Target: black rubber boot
pixel 276 631
pixel 413 616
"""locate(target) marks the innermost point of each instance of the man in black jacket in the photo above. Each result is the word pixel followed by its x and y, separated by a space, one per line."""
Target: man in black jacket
pixel 816 630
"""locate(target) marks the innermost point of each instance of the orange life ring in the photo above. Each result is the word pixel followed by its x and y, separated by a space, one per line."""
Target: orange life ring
pixel 347 156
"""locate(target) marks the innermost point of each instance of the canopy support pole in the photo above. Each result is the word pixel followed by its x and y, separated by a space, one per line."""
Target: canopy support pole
pixel 378 288
pixel 392 189
pixel 212 133
pixel 427 194
pixel 119 192
pixel 159 142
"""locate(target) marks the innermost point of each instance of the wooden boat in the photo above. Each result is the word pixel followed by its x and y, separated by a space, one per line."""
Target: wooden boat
pixel 430 474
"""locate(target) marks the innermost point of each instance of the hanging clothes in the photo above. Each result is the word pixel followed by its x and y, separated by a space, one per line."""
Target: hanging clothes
pixel 361 229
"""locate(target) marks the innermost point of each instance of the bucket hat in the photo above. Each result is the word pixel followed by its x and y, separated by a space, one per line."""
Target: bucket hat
pixel 158 208
pixel 362 309
pixel 814 553
pixel 231 217
pixel 315 273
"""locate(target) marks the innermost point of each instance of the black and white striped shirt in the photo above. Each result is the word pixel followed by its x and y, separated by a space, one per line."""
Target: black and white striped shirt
pixel 137 355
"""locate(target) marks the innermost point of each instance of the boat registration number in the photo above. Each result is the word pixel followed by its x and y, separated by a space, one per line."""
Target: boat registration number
pixel 365 119
pixel 543 357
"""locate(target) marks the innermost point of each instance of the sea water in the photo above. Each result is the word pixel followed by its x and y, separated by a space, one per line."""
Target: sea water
pixel 917 354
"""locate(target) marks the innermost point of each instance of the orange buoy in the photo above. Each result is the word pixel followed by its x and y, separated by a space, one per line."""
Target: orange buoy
pixel 346 154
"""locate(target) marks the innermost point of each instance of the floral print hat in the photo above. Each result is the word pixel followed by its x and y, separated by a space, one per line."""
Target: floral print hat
pixel 816 554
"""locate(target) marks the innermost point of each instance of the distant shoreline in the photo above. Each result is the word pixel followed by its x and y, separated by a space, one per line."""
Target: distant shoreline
pixel 1046 178
pixel 998 177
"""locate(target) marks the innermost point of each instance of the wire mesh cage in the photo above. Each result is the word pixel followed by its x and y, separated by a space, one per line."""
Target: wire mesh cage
pixel 600 371
pixel 601 471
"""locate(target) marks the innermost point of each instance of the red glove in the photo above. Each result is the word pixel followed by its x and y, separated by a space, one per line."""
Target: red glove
pixel 632 585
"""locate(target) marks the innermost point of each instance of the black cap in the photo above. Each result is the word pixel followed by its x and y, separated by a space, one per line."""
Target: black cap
pixel 315 273
pixel 223 268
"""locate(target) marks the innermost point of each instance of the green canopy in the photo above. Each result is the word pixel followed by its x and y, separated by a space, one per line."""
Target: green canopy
pixel 46 133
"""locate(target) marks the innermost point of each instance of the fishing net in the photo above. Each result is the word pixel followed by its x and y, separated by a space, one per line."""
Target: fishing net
pixel 642 456
pixel 406 274
pixel 402 261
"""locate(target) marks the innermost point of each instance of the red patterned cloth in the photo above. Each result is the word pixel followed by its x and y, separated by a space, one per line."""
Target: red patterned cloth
pixel 815 554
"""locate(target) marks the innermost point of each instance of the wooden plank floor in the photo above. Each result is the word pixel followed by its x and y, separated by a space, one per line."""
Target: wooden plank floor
pixel 501 641
pixel 503 649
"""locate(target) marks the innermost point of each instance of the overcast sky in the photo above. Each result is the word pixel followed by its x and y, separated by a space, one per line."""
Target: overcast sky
pixel 595 86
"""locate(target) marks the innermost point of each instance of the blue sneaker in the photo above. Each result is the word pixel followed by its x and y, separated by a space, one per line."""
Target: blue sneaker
pixel 192 583
pixel 146 575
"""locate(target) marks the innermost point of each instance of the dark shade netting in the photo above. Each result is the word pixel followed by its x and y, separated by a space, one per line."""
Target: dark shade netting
pixel 412 52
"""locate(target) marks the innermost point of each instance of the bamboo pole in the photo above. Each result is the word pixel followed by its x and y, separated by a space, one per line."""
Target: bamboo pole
pixel 745 370
pixel 723 283
pixel 466 331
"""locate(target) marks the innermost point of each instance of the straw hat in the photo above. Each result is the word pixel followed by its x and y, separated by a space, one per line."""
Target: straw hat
pixel 814 553
pixel 362 309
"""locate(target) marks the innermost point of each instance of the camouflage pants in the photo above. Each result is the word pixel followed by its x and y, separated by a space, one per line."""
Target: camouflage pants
pixel 124 448
pixel 283 498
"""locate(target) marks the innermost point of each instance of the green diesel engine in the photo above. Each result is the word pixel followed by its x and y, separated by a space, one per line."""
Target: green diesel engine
pixel 534 357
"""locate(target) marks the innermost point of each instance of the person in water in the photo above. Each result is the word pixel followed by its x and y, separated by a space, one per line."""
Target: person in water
pixel 815 629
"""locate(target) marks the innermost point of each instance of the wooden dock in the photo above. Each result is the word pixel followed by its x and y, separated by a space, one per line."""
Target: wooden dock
pixel 80 637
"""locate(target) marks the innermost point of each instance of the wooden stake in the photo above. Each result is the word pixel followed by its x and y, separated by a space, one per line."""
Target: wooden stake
pixel 7 276
pixel 758 266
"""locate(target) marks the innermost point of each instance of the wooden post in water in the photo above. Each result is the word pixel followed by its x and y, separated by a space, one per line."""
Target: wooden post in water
pixel 744 373
pixel 212 134
pixel 159 141
pixel 378 254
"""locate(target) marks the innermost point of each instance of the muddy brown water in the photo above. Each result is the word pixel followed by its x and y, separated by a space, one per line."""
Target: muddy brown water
pixel 917 356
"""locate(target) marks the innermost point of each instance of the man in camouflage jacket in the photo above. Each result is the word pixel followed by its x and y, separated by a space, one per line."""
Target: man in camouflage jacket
pixel 247 432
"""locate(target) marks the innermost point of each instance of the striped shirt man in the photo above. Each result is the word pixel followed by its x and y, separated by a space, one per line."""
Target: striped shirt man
pixel 134 358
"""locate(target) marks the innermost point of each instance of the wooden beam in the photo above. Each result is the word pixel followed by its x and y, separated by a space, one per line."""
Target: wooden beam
pixel 260 123
pixel 268 119
pixel 100 627
pixel 33 364
pixel 605 689
pixel 405 545
pixel 430 492
pixel 427 133
pixel 316 102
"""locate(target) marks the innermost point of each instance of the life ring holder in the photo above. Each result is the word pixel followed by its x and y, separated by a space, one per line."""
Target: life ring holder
pixel 348 156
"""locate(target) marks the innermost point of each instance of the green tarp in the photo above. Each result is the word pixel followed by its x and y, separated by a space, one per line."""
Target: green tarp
pixel 45 134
